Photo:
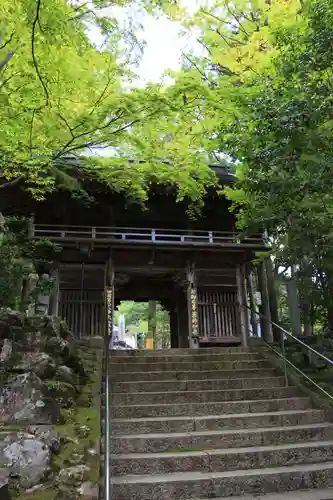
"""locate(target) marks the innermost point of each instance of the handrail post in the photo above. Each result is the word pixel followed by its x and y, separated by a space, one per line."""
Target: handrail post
pixel 283 352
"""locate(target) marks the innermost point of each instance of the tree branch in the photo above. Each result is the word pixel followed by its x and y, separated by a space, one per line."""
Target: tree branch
pixel 10 183
pixel 195 66
pixel 237 21
pixel 33 37
pixel 67 124
pixel 31 128
pixel 8 41
pixel 6 59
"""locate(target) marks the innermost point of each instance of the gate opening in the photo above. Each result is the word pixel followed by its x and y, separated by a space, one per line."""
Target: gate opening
pixel 141 325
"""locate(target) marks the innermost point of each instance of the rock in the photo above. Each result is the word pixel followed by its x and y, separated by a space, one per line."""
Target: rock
pixel 35 488
pixel 4 486
pixel 26 458
pixel 48 435
pixel 316 361
pixel 66 374
pixel 73 476
pixel 58 347
pixel 6 350
pixel 39 363
pixel 22 400
pixel 12 325
pixel 88 491
pixel 9 317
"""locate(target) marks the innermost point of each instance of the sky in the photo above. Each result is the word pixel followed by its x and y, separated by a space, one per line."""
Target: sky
pixel 165 40
pixel 163 49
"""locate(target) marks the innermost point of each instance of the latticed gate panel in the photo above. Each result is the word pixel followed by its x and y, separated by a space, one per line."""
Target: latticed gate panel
pixel 83 311
pixel 219 313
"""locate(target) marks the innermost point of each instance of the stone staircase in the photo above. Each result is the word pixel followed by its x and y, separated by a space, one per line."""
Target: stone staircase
pixel 214 423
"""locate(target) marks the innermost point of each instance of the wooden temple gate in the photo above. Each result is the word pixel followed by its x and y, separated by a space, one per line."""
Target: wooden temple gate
pixel 204 298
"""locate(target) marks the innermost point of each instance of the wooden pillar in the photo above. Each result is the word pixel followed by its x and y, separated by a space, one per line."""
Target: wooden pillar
pixel 109 302
pixel 54 298
pixel 174 339
pixel 151 337
pixel 182 319
pixel 264 309
pixel 243 313
pixel 192 306
pixel 253 316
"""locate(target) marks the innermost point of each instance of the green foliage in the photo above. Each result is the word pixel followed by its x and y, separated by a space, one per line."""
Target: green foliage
pixel 136 314
pixel 22 258
pixel 261 95
pixel 13 268
pixel 61 97
pixel 284 141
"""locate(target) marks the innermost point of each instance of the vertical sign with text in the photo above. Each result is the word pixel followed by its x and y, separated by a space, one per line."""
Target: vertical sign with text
pixel 109 308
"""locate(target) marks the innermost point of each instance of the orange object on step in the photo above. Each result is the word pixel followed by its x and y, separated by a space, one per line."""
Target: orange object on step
pixel 149 344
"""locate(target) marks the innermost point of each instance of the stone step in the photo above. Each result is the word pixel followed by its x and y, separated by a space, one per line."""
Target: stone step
pixel 215 422
pixel 185 485
pixel 187 366
pixel 191 375
pixel 326 494
pixel 174 397
pixel 217 408
pixel 196 357
pixel 173 442
pixel 222 460
pixel 182 351
pixel 197 385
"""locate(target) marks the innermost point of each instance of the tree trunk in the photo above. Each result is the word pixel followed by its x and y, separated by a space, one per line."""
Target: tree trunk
pixel 152 322
pixel 293 304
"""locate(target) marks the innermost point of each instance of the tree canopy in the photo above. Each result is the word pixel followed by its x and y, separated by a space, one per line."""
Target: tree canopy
pixel 61 95
pixel 255 90
pixel 265 71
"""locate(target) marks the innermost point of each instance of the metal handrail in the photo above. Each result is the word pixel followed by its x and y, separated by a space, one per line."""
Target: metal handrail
pixel 282 354
pixel 107 415
pixel 107 434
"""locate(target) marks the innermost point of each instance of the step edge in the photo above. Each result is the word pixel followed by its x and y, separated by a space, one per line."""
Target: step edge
pixel 197 475
pixel 223 451
pixel 245 401
pixel 226 432
pixel 213 417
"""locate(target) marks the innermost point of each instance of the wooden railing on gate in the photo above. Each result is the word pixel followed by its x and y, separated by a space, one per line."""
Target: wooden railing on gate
pixel 103 234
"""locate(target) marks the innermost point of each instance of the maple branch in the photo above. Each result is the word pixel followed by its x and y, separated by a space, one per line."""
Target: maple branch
pixel 33 37
pixel 6 59
pixel 8 41
pixel 31 128
pixel 195 66
pixel 10 183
